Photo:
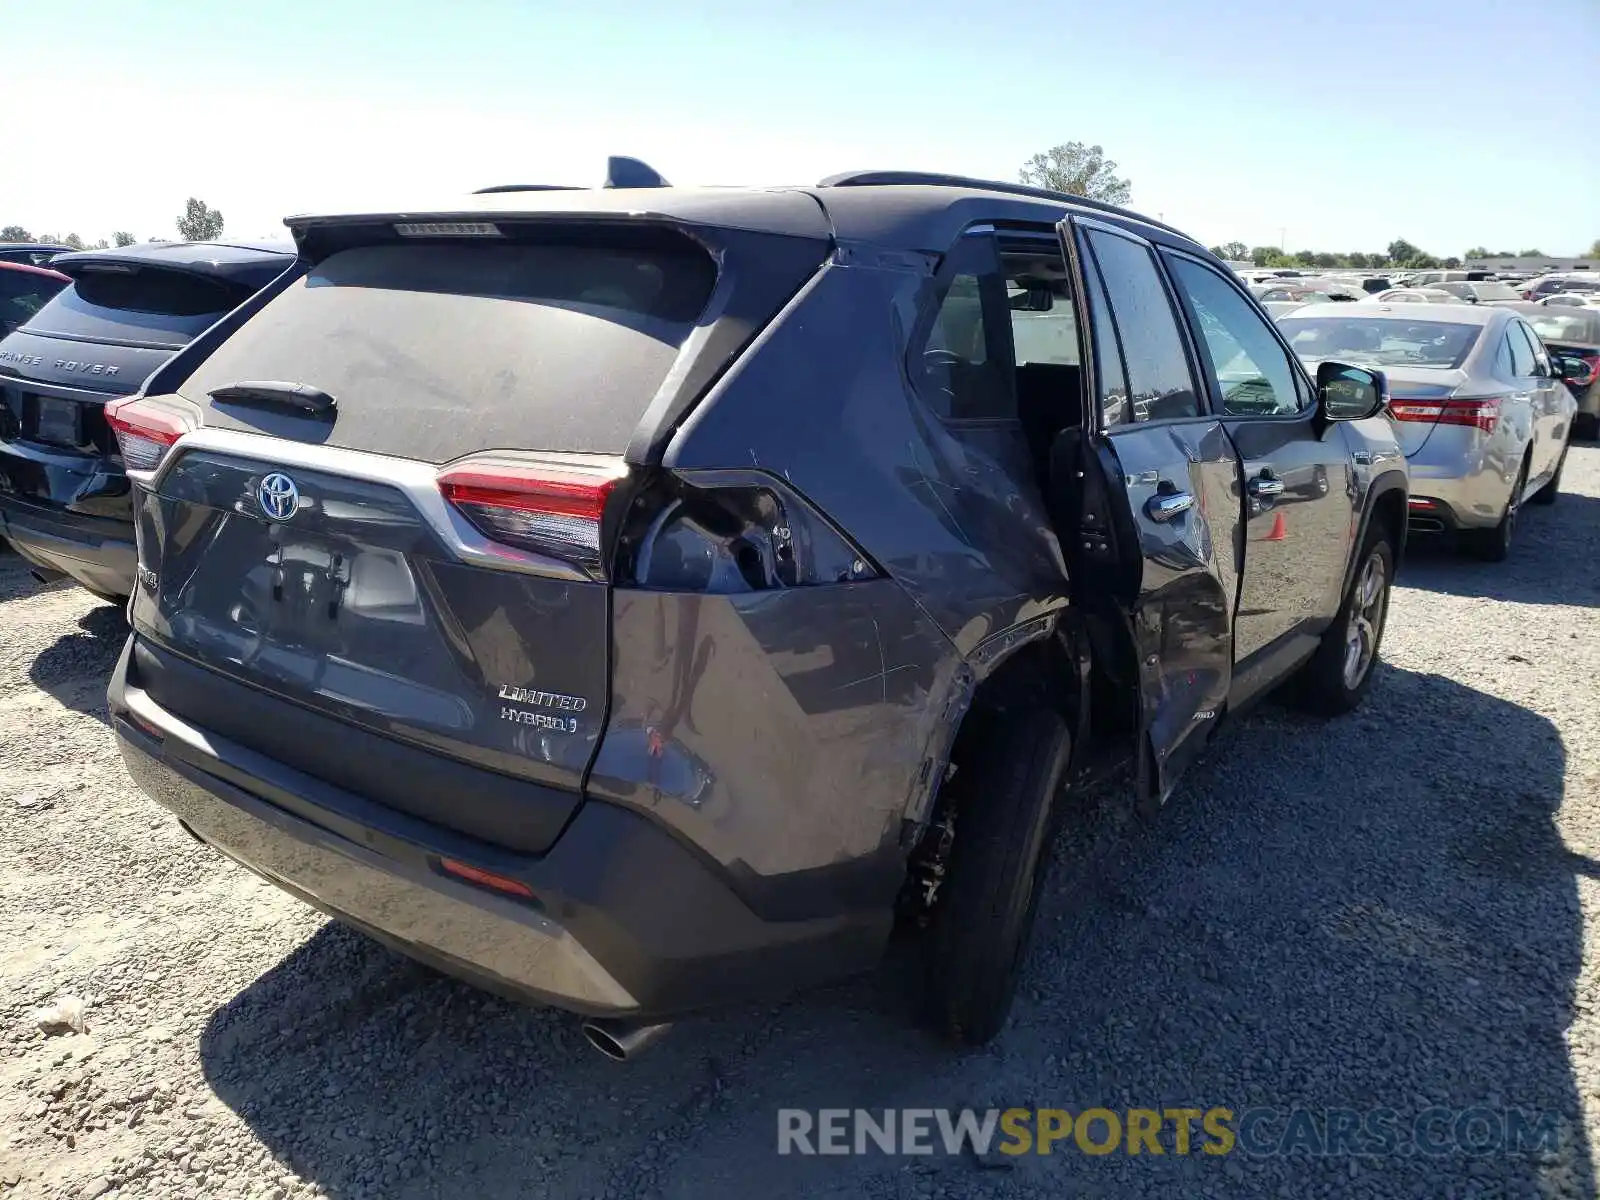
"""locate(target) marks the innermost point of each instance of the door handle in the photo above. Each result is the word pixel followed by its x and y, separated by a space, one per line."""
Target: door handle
pixel 1163 506
pixel 1266 485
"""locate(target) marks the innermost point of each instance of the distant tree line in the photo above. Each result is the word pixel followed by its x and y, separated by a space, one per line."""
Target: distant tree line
pixel 1399 254
pixel 198 223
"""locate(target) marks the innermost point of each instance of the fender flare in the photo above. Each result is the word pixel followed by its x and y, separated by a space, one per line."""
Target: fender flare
pixel 1393 480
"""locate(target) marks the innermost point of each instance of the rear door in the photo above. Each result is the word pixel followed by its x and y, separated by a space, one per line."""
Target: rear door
pixel 1300 514
pixel 1550 405
pixel 1177 494
pixel 1528 407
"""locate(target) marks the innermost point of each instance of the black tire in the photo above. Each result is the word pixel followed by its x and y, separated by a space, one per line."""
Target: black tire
pixel 1324 685
pixel 1585 427
pixel 1494 545
pixel 1548 493
pixel 985 908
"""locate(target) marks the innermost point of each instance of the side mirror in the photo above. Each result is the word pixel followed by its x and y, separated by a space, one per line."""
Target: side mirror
pixel 1567 367
pixel 1349 393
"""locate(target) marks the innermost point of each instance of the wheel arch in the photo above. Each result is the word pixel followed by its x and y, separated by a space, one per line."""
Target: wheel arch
pixel 1387 506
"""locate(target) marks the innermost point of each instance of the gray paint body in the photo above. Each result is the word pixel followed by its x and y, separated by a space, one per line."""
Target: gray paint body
pixel 790 741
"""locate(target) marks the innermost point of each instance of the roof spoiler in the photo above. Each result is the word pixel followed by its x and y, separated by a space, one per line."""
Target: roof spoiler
pixel 621 172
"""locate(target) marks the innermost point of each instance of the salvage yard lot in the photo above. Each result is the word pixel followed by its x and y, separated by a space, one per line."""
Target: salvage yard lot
pixel 1399 909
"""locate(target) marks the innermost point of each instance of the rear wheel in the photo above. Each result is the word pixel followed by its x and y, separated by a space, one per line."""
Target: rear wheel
pixel 1585 426
pixel 1339 673
pixel 1494 545
pixel 1548 493
pixel 985 909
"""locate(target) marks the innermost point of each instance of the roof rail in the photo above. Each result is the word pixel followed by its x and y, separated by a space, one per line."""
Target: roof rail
pixel 527 187
pixel 937 179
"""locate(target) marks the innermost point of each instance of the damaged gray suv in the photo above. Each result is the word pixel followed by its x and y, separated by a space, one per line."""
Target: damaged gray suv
pixel 640 599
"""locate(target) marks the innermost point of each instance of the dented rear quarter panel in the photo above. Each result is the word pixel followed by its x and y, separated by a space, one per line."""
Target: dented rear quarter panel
pixel 812 725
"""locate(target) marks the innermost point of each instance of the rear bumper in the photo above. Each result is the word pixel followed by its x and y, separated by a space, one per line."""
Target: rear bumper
pixel 94 551
pixel 1455 499
pixel 624 921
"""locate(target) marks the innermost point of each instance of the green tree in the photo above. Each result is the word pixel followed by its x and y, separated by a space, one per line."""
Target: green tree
pixel 1594 250
pixel 15 233
pixel 102 244
pixel 72 240
pixel 1304 258
pixel 1070 167
pixel 123 238
pixel 1235 251
pixel 199 223
pixel 1477 252
pixel 1267 256
pixel 1452 262
pixel 1325 260
pixel 1357 259
pixel 1403 254
pixel 1531 254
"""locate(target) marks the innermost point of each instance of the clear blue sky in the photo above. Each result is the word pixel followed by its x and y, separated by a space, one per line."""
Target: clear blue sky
pixel 1342 123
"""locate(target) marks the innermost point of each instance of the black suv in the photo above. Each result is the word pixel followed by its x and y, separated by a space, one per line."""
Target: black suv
pixel 64 502
pixel 637 599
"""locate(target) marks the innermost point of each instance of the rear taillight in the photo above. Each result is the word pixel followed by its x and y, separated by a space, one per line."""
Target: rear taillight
pixel 1481 413
pixel 1592 361
pixel 144 432
pixel 554 510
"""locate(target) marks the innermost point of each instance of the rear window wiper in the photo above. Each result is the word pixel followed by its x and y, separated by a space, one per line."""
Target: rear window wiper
pixel 278 394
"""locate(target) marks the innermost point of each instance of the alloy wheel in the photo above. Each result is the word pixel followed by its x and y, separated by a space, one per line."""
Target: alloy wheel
pixel 1369 603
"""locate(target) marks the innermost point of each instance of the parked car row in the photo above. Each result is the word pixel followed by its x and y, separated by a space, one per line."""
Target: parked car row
pixel 641 599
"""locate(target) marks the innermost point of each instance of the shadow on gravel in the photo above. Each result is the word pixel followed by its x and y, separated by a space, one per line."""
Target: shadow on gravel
pixel 1373 914
pixel 76 668
pixel 1563 533
pixel 16 578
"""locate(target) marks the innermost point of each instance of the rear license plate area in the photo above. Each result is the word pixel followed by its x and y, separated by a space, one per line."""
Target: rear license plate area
pixel 59 422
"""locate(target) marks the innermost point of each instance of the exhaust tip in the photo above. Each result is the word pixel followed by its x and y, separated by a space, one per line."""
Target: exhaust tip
pixel 600 1038
pixel 622 1040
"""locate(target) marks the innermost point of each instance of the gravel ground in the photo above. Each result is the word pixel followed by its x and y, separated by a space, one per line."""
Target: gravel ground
pixel 1397 909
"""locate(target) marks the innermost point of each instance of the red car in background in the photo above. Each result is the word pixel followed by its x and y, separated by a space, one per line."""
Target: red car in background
pixel 24 291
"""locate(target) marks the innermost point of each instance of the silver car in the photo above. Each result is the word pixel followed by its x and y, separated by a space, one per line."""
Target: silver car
pixel 1479 406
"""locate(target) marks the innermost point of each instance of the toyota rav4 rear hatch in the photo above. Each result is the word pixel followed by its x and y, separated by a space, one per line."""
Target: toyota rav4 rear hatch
pixel 376 554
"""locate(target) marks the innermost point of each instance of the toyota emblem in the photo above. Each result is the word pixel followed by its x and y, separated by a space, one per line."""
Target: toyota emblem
pixel 278 496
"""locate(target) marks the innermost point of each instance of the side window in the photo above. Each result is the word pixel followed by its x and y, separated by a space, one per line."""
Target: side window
pixel 1541 356
pixel 1252 371
pixel 1523 363
pixel 1112 386
pixel 1160 384
pixel 1044 329
pixel 959 364
pixel 1504 368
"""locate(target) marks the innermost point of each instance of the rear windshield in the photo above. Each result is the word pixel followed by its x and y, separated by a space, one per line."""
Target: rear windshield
pixel 433 350
pixel 1382 341
pixel 149 306
pixel 1495 291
